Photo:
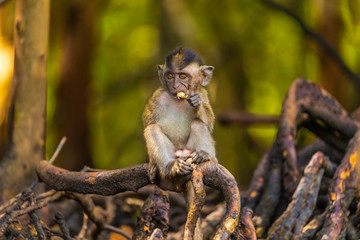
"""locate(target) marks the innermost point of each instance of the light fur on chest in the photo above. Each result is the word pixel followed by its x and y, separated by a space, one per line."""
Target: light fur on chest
pixel 174 118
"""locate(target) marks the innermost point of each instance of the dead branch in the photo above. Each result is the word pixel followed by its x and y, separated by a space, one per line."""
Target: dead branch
pixel 297 212
pixel 154 216
pixel 96 214
pixel 269 201
pixel 344 184
pixel 218 177
pixel 39 204
pixel 196 203
pixel 11 212
pixel 59 218
pixel 309 98
pixel 279 172
pixel 35 219
pixel 257 182
pixel 245 230
pixel 212 220
pixel 102 183
pixel 312 227
pixel 157 235
pixel 133 178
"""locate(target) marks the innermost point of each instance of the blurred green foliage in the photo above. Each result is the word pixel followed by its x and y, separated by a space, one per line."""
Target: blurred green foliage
pixel 257 52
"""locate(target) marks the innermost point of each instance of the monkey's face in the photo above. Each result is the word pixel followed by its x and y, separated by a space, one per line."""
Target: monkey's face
pixel 181 80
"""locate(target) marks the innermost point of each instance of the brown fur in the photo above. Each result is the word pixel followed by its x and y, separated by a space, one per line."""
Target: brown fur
pixel 173 125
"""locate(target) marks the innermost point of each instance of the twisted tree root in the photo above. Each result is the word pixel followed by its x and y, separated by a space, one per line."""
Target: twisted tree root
pixel 133 178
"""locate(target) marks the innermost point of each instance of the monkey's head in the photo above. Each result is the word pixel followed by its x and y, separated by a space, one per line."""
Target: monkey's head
pixel 183 71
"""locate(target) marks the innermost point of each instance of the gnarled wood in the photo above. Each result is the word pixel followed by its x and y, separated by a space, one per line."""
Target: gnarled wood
pixel 132 178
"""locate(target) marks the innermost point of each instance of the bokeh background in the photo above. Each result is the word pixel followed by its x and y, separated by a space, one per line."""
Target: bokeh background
pixel 102 69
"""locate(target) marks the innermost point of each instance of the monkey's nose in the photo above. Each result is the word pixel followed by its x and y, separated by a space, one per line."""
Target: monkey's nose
pixel 176 85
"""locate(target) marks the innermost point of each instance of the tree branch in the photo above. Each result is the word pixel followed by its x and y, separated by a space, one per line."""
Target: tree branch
pixel 133 178
pixel 103 183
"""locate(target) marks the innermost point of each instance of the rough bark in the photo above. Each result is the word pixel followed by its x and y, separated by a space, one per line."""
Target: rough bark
pixel 275 180
pixel 154 216
pixel 344 183
pixel 245 229
pixel 103 183
pixel 304 200
pixel 27 143
pixel 131 179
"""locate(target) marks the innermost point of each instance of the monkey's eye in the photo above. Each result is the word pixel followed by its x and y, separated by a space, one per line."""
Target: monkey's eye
pixel 182 75
pixel 170 75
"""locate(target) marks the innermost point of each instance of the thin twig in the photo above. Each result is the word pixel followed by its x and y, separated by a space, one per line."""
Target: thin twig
pixel 89 208
pixel 10 202
pixel 317 38
pixel 52 159
pixel 116 230
pixel 38 205
pixel 57 151
pixel 39 229
pixel 46 194
pixel 59 218
pixel 10 214
pixel 35 219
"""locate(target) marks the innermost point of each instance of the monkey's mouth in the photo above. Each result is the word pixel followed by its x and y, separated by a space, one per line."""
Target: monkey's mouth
pixel 181 95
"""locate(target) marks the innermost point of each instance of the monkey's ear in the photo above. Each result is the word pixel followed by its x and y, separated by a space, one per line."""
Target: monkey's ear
pixel 160 70
pixel 207 72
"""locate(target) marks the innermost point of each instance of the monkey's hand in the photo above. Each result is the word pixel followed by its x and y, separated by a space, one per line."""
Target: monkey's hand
pixel 194 99
pixel 200 157
pixel 181 166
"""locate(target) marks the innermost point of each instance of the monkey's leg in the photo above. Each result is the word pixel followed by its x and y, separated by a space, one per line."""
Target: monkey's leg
pixel 201 141
pixel 161 154
pixel 160 150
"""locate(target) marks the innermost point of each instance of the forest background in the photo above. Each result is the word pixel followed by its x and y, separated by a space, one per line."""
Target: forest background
pixel 102 69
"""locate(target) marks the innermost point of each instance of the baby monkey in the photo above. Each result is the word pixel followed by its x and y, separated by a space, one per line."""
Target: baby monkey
pixel 178 119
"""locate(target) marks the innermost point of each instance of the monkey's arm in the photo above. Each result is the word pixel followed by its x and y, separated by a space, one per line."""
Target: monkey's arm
pixel 204 110
pixel 148 117
pixel 161 154
pixel 201 142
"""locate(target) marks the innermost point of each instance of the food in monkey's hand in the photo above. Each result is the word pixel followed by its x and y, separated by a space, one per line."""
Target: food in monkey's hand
pixel 181 95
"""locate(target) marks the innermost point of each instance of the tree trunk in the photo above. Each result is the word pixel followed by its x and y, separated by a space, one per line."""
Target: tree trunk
pixel 73 90
pixel 28 111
